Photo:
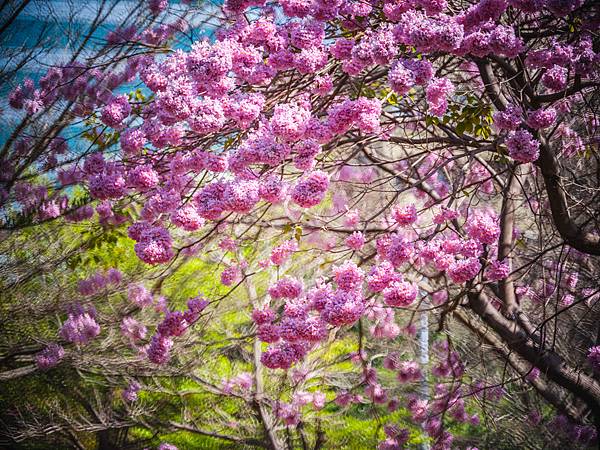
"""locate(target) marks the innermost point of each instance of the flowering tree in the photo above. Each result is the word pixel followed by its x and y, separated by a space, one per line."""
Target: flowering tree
pixel 344 167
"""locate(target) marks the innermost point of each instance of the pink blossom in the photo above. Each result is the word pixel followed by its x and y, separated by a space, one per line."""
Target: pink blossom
pixel 165 445
pixel 355 241
pixel 80 328
pixel 522 146
pixel 281 253
pixel 174 324
pixel 593 357
pixel 541 118
pixel 139 295
pixel 483 228
pixel 319 295
pixel 131 393
pixel 262 316
pixel 342 308
pixel 352 218
pixel 109 184
pixel 154 246
pixel 322 85
pixel 555 78
pixel 439 297
pixel 405 215
pixel 464 270
pixel 437 92
pixel 286 287
pixel 400 294
pixel 208 116
pixel 497 270
pixel 311 190
pixel 241 195
pixel 187 218
pixel 510 119
pixel 348 276
pixel 116 111
pixel 376 393
pixel 156 7
pixel 132 329
pixel 158 351
pixel 381 276
pixel 395 248
pixel 418 409
pixel 210 201
pixel 409 371
pixel 283 355
pixel 533 374
pixel 231 275
pixel 289 121
pixel 49 356
pixel 142 177
pixel 268 332
pixel 272 190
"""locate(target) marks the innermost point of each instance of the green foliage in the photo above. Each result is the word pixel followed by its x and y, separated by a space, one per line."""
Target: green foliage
pixel 472 117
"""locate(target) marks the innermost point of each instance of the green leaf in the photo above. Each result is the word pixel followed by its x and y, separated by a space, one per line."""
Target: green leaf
pixel 298 232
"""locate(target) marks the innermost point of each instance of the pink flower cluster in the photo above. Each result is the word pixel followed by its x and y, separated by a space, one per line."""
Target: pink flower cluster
pixel 555 78
pixel 174 324
pixel 343 308
pixel 522 146
pixel 348 276
pixel 49 356
pixel 283 355
pixel 99 281
pixel 362 113
pixel 289 121
pixel 492 39
pixel 273 190
pixel 187 218
pixel 231 275
pixel 132 329
pixel 130 394
pixel 305 318
pixel 139 295
pixel 593 358
pixel 385 326
pixel 483 227
pixel 281 253
pixel 400 294
pixel 355 241
pixel 286 287
pixel 405 215
pixel 409 371
pixel 463 270
pixel 395 248
pixel 381 276
pixel 154 245
pixel 541 118
pixel 406 73
pixel 159 348
pixel 427 33
pixel 80 327
pixel 437 92
pixel 510 119
pixel 310 190
pixel 396 438
pixel 242 382
pixel 497 270
pixel 117 110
